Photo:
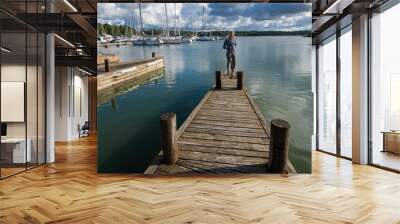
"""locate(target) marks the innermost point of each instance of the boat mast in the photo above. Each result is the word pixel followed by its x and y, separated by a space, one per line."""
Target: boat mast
pixel 131 24
pixel 141 21
pixel 191 25
pixel 179 26
pixel 202 20
pixel 175 20
pixel 166 18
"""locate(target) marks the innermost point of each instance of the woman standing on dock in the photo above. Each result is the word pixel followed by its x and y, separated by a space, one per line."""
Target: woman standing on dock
pixel 229 45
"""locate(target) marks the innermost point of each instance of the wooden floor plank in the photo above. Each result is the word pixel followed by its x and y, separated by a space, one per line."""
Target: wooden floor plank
pixel 227 128
pixel 223 103
pixel 224 144
pixel 229 119
pixel 218 113
pixel 230 138
pixel 240 100
pixel 225 132
pixel 222 158
pixel 71 191
pixel 220 150
pixel 221 168
pixel 228 123
pixel 227 112
pixel 228 108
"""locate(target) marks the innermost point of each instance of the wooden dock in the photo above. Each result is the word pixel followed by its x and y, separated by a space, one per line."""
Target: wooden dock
pixel 113 75
pixel 225 133
pixel 112 58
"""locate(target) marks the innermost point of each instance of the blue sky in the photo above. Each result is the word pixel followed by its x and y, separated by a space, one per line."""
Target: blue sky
pixel 217 16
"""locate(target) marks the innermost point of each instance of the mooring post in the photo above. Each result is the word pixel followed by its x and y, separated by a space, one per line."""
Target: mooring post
pixel 218 80
pixel 168 141
pixel 107 65
pixel 240 80
pixel 278 155
pixel 153 54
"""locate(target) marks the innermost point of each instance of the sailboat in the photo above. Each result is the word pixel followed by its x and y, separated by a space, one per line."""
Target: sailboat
pixel 140 40
pixel 190 38
pixel 187 40
pixel 154 41
pixel 168 39
pixel 203 36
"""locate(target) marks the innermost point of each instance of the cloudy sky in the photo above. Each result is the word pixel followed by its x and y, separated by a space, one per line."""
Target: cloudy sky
pixel 217 16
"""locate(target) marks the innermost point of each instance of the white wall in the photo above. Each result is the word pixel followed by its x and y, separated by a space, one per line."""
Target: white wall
pixel 314 91
pixel 62 82
pixel 71 94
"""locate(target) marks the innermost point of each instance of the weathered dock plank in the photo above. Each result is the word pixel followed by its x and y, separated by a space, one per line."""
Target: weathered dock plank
pixel 225 133
pixel 124 72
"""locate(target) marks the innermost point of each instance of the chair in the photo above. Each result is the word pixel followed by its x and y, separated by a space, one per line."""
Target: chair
pixel 84 130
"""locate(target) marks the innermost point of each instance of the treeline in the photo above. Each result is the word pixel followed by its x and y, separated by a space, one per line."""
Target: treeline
pixel 115 30
pixel 265 33
pixel 122 30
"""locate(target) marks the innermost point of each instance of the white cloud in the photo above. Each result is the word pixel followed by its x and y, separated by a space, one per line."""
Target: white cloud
pixel 190 16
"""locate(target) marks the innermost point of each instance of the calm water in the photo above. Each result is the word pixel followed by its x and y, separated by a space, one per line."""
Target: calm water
pixel 278 76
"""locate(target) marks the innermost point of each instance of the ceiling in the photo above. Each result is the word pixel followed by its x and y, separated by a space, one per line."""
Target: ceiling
pixel 72 20
pixel 331 15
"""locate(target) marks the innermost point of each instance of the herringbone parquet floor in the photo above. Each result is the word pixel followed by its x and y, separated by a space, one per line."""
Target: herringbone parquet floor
pixel 70 191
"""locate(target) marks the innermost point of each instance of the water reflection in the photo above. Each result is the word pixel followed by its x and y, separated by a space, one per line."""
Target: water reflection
pixel 277 74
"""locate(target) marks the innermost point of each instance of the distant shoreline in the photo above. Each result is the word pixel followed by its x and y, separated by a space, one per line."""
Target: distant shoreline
pixel 116 30
pixel 264 33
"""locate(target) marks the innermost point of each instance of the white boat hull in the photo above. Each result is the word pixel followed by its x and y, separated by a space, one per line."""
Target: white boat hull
pixel 153 42
pixel 187 41
pixel 138 42
pixel 205 38
pixel 173 41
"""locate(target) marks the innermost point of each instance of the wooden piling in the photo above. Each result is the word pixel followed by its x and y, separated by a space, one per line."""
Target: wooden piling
pixel 240 79
pixel 153 54
pixel 107 65
pixel 278 158
pixel 218 80
pixel 168 138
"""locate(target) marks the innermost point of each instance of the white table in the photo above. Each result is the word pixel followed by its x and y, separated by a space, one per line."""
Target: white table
pixel 20 155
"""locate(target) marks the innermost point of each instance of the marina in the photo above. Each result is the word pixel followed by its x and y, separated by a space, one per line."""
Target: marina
pixel 146 39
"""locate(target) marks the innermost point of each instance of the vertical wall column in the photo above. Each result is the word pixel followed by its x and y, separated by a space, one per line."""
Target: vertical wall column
pixel 63 100
pixel 360 90
pixel 314 93
pixel 92 89
pixel 50 98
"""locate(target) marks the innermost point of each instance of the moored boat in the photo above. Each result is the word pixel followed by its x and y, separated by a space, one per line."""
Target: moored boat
pixel 153 41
